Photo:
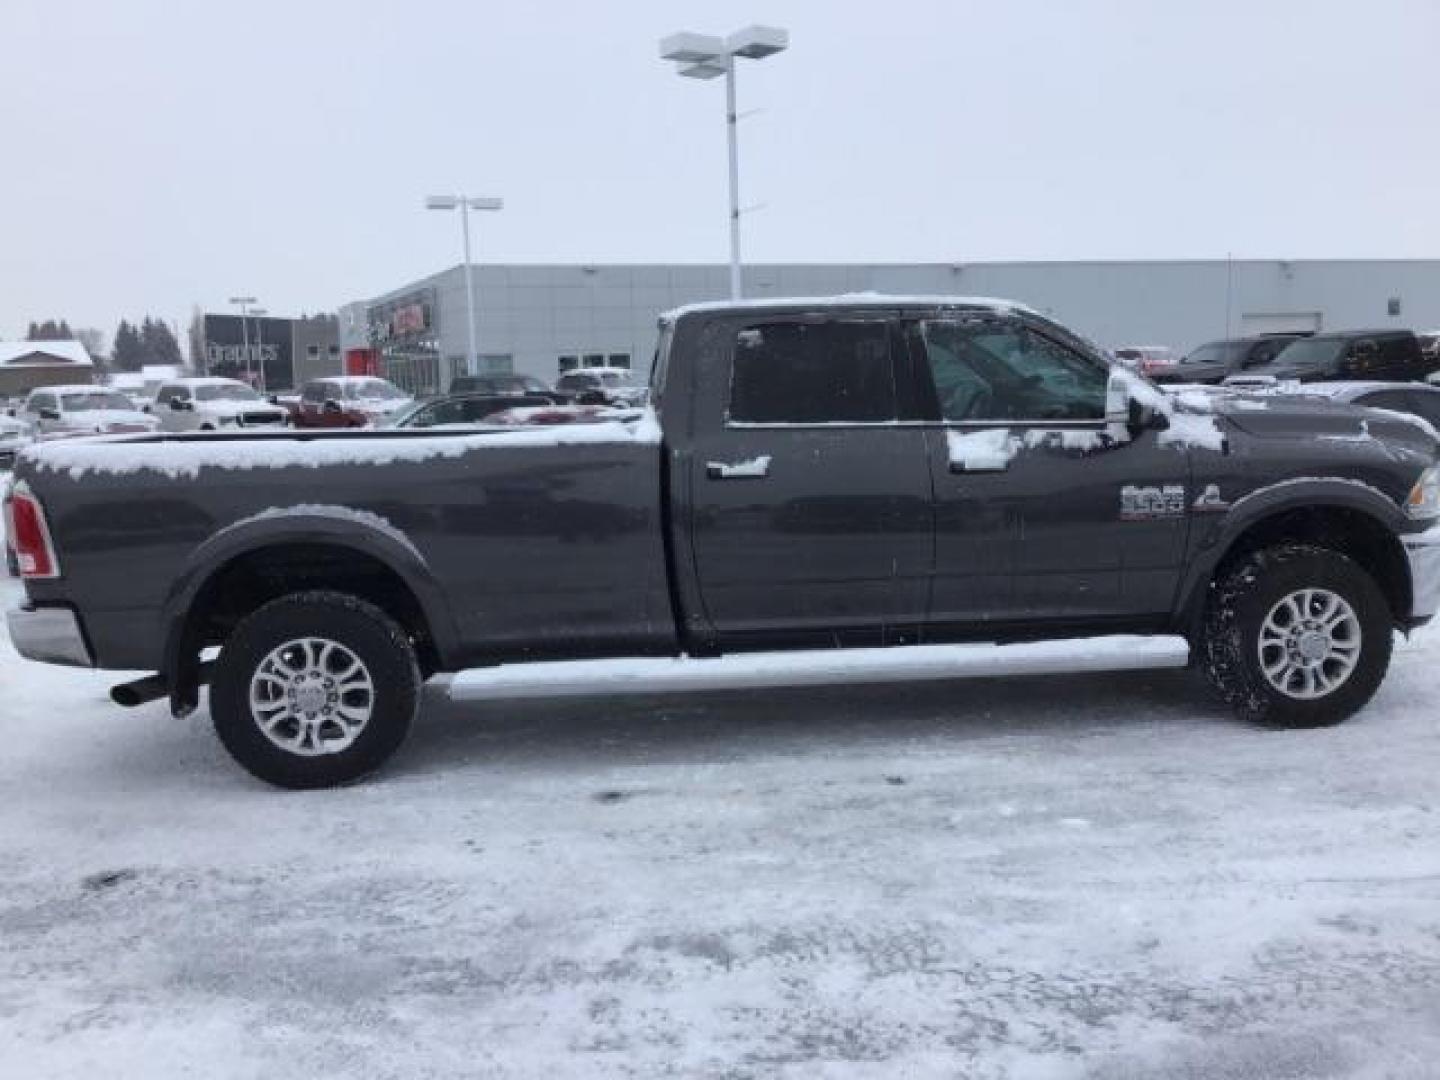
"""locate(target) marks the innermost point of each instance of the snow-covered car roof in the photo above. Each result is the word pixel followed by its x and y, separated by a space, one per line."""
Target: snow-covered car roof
pixel 857 299
pixel 72 388
pixel 1345 390
pixel 205 380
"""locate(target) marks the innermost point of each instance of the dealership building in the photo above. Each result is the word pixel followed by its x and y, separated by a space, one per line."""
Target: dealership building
pixel 542 320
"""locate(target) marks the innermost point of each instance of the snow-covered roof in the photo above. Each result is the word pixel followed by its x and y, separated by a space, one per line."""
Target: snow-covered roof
pixel 72 388
pixel 63 352
pixel 856 299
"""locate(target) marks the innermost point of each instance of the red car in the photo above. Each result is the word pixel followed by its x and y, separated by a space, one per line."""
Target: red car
pixel 347 401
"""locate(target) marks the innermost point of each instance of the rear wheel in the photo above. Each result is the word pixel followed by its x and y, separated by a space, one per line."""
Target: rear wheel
pixel 1297 636
pixel 315 689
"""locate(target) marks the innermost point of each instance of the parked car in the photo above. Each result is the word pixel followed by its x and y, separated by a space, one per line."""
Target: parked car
pixel 213 404
pixel 527 385
pixel 600 385
pixel 1416 399
pixel 54 412
pixel 1149 360
pixel 14 434
pixel 848 472
pixel 460 409
pixel 1373 355
pixel 343 401
pixel 1429 343
pixel 1215 361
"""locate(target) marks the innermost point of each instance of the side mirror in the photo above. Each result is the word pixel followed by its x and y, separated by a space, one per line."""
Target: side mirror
pixel 1123 407
pixel 178 404
pixel 49 414
pixel 331 405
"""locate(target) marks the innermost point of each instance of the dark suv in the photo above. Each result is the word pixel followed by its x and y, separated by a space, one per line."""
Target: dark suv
pixel 1379 355
pixel 1215 361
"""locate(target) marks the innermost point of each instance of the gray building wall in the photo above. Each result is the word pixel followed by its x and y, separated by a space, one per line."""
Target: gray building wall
pixel 536 314
pixel 315 347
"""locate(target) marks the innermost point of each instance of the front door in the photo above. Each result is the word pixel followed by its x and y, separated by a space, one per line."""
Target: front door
pixel 810 502
pixel 1043 511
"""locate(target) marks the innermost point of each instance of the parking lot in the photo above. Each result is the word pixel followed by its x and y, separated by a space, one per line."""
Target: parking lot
pixel 937 879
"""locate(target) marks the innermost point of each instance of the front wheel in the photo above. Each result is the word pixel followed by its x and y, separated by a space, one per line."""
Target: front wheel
pixel 1297 636
pixel 314 689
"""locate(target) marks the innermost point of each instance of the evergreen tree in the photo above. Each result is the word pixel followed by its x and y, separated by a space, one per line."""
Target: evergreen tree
pixel 158 342
pixel 33 332
pixel 128 353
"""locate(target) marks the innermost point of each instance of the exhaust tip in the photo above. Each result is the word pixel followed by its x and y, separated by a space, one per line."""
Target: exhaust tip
pixel 138 692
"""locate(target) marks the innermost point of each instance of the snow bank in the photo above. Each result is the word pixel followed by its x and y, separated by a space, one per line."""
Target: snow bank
pixel 185 456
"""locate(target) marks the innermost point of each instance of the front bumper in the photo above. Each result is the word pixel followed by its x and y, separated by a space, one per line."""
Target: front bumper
pixel 51 635
pixel 1422 549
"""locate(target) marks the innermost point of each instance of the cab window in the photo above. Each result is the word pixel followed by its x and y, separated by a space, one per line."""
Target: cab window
pixel 805 372
pixel 986 371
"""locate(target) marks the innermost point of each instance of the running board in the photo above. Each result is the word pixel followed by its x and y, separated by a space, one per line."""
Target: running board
pixel 819 667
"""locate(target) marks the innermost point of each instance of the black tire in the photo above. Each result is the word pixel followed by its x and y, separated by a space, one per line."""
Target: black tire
pixel 207 427
pixel 372 636
pixel 1244 596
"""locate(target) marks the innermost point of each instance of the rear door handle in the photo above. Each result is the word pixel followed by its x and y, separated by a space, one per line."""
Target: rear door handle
pixel 754 469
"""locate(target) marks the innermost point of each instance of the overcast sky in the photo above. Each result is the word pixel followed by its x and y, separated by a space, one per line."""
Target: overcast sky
pixel 158 156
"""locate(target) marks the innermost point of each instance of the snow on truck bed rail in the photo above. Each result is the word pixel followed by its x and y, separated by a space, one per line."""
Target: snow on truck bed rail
pixel 184 456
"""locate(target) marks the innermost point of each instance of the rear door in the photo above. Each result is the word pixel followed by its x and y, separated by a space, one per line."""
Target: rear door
pixel 1043 511
pixel 811 500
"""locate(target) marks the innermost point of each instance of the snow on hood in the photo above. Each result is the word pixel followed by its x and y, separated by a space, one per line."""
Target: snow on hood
pixel 93 418
pixel 183 456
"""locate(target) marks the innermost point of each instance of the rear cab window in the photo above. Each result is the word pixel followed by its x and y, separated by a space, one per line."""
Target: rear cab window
pixel 813 371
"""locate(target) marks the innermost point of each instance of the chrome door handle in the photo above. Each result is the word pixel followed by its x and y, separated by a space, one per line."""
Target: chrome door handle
pixel 755 469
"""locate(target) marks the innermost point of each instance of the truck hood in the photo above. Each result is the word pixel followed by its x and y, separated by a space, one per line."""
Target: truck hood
pixel 1276 416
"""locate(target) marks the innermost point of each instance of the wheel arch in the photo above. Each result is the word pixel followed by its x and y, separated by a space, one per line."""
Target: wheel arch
pixel 1352 518
pixel 246 564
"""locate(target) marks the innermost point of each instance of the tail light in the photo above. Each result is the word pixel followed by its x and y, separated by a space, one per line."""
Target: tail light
pixel 30 535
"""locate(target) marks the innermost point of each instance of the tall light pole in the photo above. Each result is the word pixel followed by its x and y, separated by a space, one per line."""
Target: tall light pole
pixel 704 56
pixel 466 204
pixel 259 313
pixel 244 302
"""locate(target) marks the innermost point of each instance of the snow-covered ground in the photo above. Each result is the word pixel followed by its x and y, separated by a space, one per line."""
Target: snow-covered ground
pixel 1074 876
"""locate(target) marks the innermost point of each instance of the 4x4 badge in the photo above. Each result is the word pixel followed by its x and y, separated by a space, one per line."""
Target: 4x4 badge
pixel 1209 501
pixel 1147 503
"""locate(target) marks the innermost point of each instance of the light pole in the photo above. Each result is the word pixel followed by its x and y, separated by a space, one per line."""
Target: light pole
pixel 259 313
pixel 705 56
pixel 466 204
pixel 244 302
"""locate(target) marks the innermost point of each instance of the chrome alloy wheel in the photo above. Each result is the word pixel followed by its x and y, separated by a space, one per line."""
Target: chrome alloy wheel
pixel 1309 644
pixel 312 696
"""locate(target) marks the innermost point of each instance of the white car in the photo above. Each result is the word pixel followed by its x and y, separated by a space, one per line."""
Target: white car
pixel 213 405
pixel 58 412
pixel 14 434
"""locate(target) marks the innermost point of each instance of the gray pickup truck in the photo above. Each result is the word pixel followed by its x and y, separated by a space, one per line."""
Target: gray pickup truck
pixel 850 472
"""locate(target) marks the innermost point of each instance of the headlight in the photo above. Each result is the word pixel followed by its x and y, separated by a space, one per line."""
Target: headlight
pixel 1424 499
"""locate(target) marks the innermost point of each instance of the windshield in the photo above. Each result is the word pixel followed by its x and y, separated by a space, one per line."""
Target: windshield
pixel 95 399
pixel 1217 352
pixel 1311 354
pixel 372 390
pixel 226 392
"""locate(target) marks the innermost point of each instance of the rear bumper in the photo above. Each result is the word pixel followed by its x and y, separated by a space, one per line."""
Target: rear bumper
pixel 51 635
pixel 1422 550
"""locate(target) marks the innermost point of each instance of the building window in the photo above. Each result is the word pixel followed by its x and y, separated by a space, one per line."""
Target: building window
pixel 618 359
pixel 312 350
pixel 593 359
pixel 569 363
